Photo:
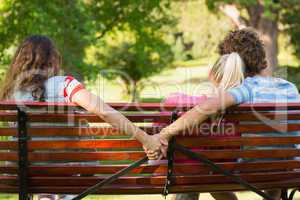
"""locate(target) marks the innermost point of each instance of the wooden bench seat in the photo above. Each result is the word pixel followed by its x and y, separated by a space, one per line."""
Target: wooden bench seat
pixel 79 157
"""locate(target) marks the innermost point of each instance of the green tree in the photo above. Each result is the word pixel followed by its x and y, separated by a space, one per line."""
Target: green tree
pixel 76 24
pixel 195 36
pixel 265 16
pixel 291 19
pixel 135 61
pixel 65 21
pixel 143 51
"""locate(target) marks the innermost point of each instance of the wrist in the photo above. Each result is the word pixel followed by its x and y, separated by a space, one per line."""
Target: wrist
pixel 165 134
pixel 142 137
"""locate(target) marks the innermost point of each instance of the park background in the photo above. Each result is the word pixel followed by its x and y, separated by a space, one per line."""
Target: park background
pixel 144 50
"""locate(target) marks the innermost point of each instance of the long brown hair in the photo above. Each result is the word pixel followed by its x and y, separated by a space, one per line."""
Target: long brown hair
pixel 35 60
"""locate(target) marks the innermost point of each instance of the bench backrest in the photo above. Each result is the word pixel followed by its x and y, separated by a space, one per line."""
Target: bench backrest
pixel 68 159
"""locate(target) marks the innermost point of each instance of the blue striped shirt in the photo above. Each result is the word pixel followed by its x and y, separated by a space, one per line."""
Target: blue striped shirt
pixel 261 89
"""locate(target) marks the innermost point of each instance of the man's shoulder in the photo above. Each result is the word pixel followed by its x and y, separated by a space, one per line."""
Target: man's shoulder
pixel 264 81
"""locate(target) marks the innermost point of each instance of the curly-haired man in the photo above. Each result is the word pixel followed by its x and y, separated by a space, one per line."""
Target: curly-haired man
pixel 249 46
pixel 257 87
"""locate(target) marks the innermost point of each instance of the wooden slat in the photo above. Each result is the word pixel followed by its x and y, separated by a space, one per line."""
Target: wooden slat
pixel 152 180
pixel 13 105
pixel 8 131
pixel 241 153
pixel 116 189
pixel 134 155
pixel 76 156
pixel 68 170
pixel 259 128
pixel 54 106
pixel 179 168
pixel 75 144
pixel 262 116
pixel 194 142
pixel 147 118
pixel 230 129
pixel 191 142
pixel 91 118
pixel 144 117
pixel 85 118
pixel 146 189
pixel 108 131
pixel 75 131
pixel 266 107
pixel 8 116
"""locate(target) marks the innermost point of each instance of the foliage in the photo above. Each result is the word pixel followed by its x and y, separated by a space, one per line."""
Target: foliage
pixel 293 74
pixel 203 35
pixel 134 61
pixel 76 24
pixel 135 47
pixel 62 20
pixel 286 12
pixel 270 6
pixel 291 20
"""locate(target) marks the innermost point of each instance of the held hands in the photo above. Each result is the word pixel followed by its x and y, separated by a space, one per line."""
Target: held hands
pixel 156 147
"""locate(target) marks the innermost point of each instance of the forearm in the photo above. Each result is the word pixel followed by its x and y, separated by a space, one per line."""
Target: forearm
pixel 119 121
pixel 94 104
pixel 193 118
pixel 189 120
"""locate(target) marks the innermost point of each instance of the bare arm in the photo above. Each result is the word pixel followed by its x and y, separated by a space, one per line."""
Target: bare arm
pixel 197 115
pixel 95 104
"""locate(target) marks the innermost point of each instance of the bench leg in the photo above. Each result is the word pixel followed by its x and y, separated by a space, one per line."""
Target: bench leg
pixel 284 194
pixel 187 196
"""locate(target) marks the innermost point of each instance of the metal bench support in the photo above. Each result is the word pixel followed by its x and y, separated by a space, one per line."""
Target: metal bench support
pixel 23 156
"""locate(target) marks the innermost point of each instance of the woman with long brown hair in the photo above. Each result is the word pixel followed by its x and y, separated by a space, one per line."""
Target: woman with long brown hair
pixel 34 76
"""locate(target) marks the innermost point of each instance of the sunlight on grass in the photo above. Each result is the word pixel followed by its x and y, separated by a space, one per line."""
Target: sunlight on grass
pixel 189 80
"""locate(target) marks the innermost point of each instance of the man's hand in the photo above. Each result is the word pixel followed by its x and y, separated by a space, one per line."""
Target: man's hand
pixel 158 147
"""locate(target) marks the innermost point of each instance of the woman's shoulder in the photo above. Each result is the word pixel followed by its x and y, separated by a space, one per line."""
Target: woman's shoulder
pixel 57 79
pixel 59 88
pixel 60 80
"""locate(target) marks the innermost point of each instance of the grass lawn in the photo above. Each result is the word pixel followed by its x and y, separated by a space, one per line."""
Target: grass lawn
pixel 189 80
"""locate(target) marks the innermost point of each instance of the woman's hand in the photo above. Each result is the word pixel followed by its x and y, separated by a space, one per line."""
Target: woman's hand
pixel 156 147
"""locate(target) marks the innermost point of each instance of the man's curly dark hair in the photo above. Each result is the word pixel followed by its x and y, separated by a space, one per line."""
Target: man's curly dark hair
pixel 249 46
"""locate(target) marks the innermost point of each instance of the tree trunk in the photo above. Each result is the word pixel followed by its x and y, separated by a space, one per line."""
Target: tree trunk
pixel 268 30
pixel 266 27
pixel 134 92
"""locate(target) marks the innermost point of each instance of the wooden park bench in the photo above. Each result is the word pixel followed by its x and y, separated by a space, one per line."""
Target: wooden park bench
pixel 66 165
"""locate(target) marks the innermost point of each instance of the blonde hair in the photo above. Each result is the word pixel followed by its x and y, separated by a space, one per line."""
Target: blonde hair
pixel 228 71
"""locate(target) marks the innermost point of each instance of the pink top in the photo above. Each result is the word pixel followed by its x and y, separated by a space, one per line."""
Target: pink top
pixel 183 99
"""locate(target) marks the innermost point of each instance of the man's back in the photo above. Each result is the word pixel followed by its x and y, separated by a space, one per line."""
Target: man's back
pixel 259 89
